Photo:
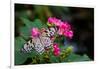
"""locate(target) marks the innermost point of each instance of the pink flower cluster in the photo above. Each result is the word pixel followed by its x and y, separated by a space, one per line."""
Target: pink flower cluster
pixel 53 20
pixel 56 49
pixel 63 27
pixel 35 32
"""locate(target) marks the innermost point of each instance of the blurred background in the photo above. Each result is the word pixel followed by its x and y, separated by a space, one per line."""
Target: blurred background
pixel 80 18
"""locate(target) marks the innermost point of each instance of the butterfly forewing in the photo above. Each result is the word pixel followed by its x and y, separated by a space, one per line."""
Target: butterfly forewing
pixel 38 46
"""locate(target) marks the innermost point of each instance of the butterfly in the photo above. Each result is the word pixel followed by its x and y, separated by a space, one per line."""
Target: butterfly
pixel 40 43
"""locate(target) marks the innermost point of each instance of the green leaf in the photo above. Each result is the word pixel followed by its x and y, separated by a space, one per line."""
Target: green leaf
pixel 19 58
pixel 23 14
pixel 30 24
pixel 54 59
pixel 76 58
pixel 19 42
pixel 25 32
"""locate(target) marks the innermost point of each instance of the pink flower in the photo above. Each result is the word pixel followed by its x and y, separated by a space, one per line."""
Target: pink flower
pixel 55 21
pixel 56 50
pixel 35 32
pixel 67 26
pixel 57 53
pixel 50 20
pixel 68 34
pixel 55 45
pixel 63 27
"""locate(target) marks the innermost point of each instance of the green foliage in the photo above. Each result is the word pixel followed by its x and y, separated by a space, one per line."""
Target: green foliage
pixel 19 41
pixel 37 23
pixel 75 58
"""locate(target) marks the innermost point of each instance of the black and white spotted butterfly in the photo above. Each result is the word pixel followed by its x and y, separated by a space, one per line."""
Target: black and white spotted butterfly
pixel 39 44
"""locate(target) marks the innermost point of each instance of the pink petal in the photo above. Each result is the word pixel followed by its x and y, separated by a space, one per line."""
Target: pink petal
pixel 57 53
pixel 34 32
pixel 68 34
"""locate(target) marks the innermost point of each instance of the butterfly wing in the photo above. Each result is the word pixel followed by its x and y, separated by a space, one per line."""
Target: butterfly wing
pixel 46 41
pixel 38 45
pixel 33 44
pixel 28 47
